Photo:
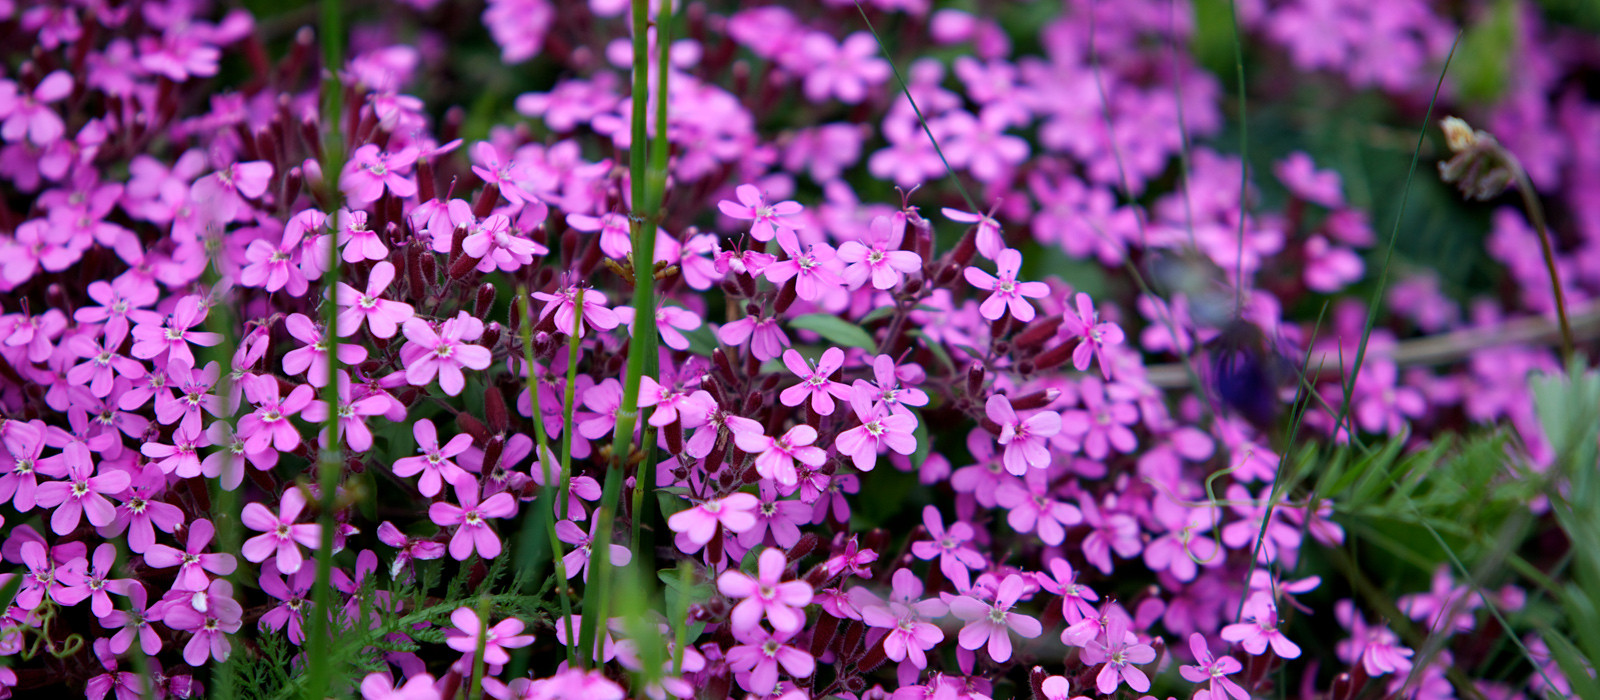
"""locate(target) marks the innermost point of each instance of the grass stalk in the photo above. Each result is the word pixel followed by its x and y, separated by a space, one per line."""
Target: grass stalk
pixel 331 458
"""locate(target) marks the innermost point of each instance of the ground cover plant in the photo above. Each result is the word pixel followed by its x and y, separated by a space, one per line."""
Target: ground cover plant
pixel 1049 350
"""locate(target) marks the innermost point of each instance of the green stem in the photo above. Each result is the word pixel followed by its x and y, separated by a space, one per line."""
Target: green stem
pixel 542 505
pixel 475 690
pixel 1530 202
pixel 331 458
pixel 564 484
pixel 642 344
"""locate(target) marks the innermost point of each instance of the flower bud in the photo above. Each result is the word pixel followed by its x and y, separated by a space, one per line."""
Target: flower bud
pixel 426 191
pixel 463 266
pixel 494 408
pixel 1054 357
pixel 489 197
pixel 786 296
pixel 1038 333
pixel 730 288
pixel 674 433
pixel 974 379
pixel 491 335
pixel 474 427
pixel 1036 400
pixel 747 284
pixel 492 452
pixel 485 300
pixel 965 248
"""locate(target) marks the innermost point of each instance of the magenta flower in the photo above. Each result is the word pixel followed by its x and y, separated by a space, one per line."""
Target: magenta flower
pixel 274 267
pixel 215 616
pixel 766 595
pixel 134 622
pixel 989 239
pixel 282 536
pixel 25 443
pixel 1376 647
pixel 434 465
pixel 496 639
pixel 756 660
pixel 814 380
pixel 352 413
pixel 383 317
pixel 29 115
pixel 296 597
pixel 847 70
pixel 911 634
pixel 696 526
pixel 877 256
pixel 358 241
pixel 97 584
pixel 192 395
pixel 172 339
pixel 752 206
pixel 83 494
pixel 193 561
pixel 879 428
pixel 1120 651
pixel 766 339
pixel 471 520
pixel 775 457
pixel 1103 423
pixel 811 267
pixel 311 359
pixel 950 546
pixel 988 622
pixel 577 560
pixel 269 425
pixel 496 245
pixel 1007 293
pixel 371 170
pixel 1261 630
pixel 1076 599
pixel 1215 670
pixel 140 513
pixel 443 352
pixel 1024 438
pixel 1096 335
pixel 1032 507
pixel 221 195
pixel 564 304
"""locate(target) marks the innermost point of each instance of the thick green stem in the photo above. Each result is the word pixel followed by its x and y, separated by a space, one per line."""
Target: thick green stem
pixel 331 459
pixel 642 346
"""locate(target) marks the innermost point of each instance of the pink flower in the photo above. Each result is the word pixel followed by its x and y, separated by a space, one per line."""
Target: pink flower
pixel 193 561
pixel 989 239
pixel 879 428
pixel 775 457
pixel 222 194
pixel 269 425
pixel 371 170
pixel 814 380
pixel 1096 335
pixel 811 267
pixel 768 341
pixel 359 242
pixel 1007 292
pixel 1261 630
pixel 211 616
pixel 950 546
pixel 83 494
pixel 758 658
pixel 28 114
pixel 1023 438
pixel 910 634
pixel 311 359
pixel 496 639
pixel 352 413
pixel 577 560
pixel 378 686
pixel 496 245
pixel 1213 669
pixel 471 520
pixel 1301 176
pixel 281 533
pixel 443 353
pixel 752 206
pixel 1120 651
pixel 987 623
pixel 564 304
pixel 434 465
pixel 878 256
pixel 696 526
pixel 845 70
pixel 766 595
pixel 383 317
pixel 172 339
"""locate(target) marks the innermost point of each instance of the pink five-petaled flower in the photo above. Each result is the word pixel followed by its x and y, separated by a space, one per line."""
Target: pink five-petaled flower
pixel 171 340
pixel 955 557
pixel 775 456
pixel 26 114
pixel 383 316
pixel 1120 650
pixel 1214 670
pixel 192 562
pixel 82 494
pixel 696 526
pixel 1023 438
pixel 989 622
pixel 269 425
pixel 910 634
pixel 311 359
pixel 767 594
pixel 880 427
pixel 757 660
pixel 496 639
pixel 877 256
pixel 809 267
pixel 444 352
pixel 211 616
pixel 1086 324
pixel 1007 292
pixel 814 380
pixel 564 304
pixel 752 206
pixel 768 340
pixel 577 560
pixel 471 520
pixel 434 464
pixel 371 170
pixel 1261 630
pixel 989 239
pixel 282 534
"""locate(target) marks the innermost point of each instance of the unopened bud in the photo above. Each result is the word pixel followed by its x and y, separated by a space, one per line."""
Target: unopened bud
pixel 974 379
pixel 1035 400
pixel 485 300
pixel 1038 332
pixel 494 408
pixel 965 248
pixel 786 296
pixel 1054 357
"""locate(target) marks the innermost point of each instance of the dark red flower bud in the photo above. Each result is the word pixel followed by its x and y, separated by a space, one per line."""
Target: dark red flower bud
pixel 965 248
pixel 489 197
pixel 786 296
pixel 803 548
pixel 474 427
pixel 974 378
pixel 494 409
pixel 463 266
pixel 1053 357
pixel 491 335
pixel 485 300
pixel 1038 333
pixel 1035 400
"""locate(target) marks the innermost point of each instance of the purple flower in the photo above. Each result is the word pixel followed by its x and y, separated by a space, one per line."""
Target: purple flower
pixel 766 595
pixel 768 342
pixel 1024 438
pixel 371 170
pixel 845 70
pixel 564 304
pixel 269 426
pixel 757 659
pixel 471 520
pixel 1006 292
pixel 211 616
pixel 1096 335
pixel 988 622
pixel 311 359
pixel 282 536
pixel 443 352
pixel 577 560
pixel 696 526
pixel 950 546
pixel 193 561
pixel 1261 629
pixel 434 465
pixel 383 317
pixel 775 457
pixel 83 494
pixel 768 219
pixel 1120 651
pixel 811 267
pixel 496 639
pixel 172 339
pixel 877 256
pixel 879 428
pixel 29 115
pixel 1214 670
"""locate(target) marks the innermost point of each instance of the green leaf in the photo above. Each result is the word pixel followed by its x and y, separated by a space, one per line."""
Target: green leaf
pixel 835 330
